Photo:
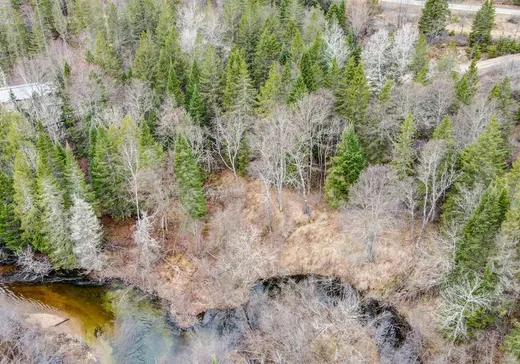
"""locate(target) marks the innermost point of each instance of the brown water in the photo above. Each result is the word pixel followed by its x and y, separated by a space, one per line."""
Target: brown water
pixel 86 305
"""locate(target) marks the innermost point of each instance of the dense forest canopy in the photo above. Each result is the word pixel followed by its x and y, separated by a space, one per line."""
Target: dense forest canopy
pixel 216 132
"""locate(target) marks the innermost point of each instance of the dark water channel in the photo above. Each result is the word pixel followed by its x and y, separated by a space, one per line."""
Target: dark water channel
pixel 139 329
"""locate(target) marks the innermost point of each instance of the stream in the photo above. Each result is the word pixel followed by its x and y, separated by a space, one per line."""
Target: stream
pixel 132 327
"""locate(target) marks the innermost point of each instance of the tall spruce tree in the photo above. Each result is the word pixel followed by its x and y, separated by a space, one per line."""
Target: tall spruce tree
pixel 25 198
pixel 403 155
pixel 483 23
pixel 238 90
pixel 467 86
pixel 54 220
pixel 189 178
pixel 270 93
pixel 211 81
pixel 345 168
pixel 353 94
pixel 476 243
pixel 145 61
pixel 267 52
pixel 420 63
pixel 85 234
pixel 434 18
pixel 480 163
pixel 10 232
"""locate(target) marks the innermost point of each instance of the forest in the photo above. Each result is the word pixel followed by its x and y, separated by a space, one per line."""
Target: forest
pixel 334 181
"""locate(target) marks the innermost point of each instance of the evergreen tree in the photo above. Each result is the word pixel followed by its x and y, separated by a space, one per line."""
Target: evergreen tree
pixel 145 61
pixel 267 51
pixel 345 169
pixel 189 179
pixel 211 82
pixel 467 86
pixel 482 25
pixel 480 163
pixel 434 18
pixel 10 233
pixel 238 91
pixel 476 242
pixel 420 63
pixel 196 108
pixel 307 71
pixel 444 131
pixel 270 93
pixel 502 94
pixel 298 91
pixel 54 220
pixel 165 26
pixel 403 154
pixel 193 81
pixel 485 160
pixel 107 176
pixel 75 179
pixel 26 201
pixel 85 234
pixel 249 31
pixel 333 77
pixel 353 94
pixel 105 57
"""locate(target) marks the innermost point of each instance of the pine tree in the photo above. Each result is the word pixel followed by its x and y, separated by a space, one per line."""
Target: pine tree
pixel 444 131
pixel 193 81
pixel 249 31
pixel 480 163
pixel 211 81
pixel 165 26
pixel 105 57
pixel 196 108
pixel 267 51
pixel 54 221
pixel 467 86
pixel 307 71
pixel 403 154
pixel 434 17
pixel 107 176
pixel 145 61
pixel 298 91
pixel 238 91
pixel 345 169
pixel 502 94
pixel 477 238
pixel 485 160
pixel 353 94
pixel 420 63
pixel 85 233
pixel 26 201
pixel 333 77
pixel 270 93
pixel 483 23
pixel 75 179
pixel 189 179
pixel 10 231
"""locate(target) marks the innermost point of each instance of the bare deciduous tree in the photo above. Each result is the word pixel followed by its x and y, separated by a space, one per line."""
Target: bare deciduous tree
pixel 230 130
pixel 271 142
pixel 41 266
pixel 336 45
pixel 374 199
pixel 436 173
pixel 459 301
pixel 147 247
pixel 359 15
